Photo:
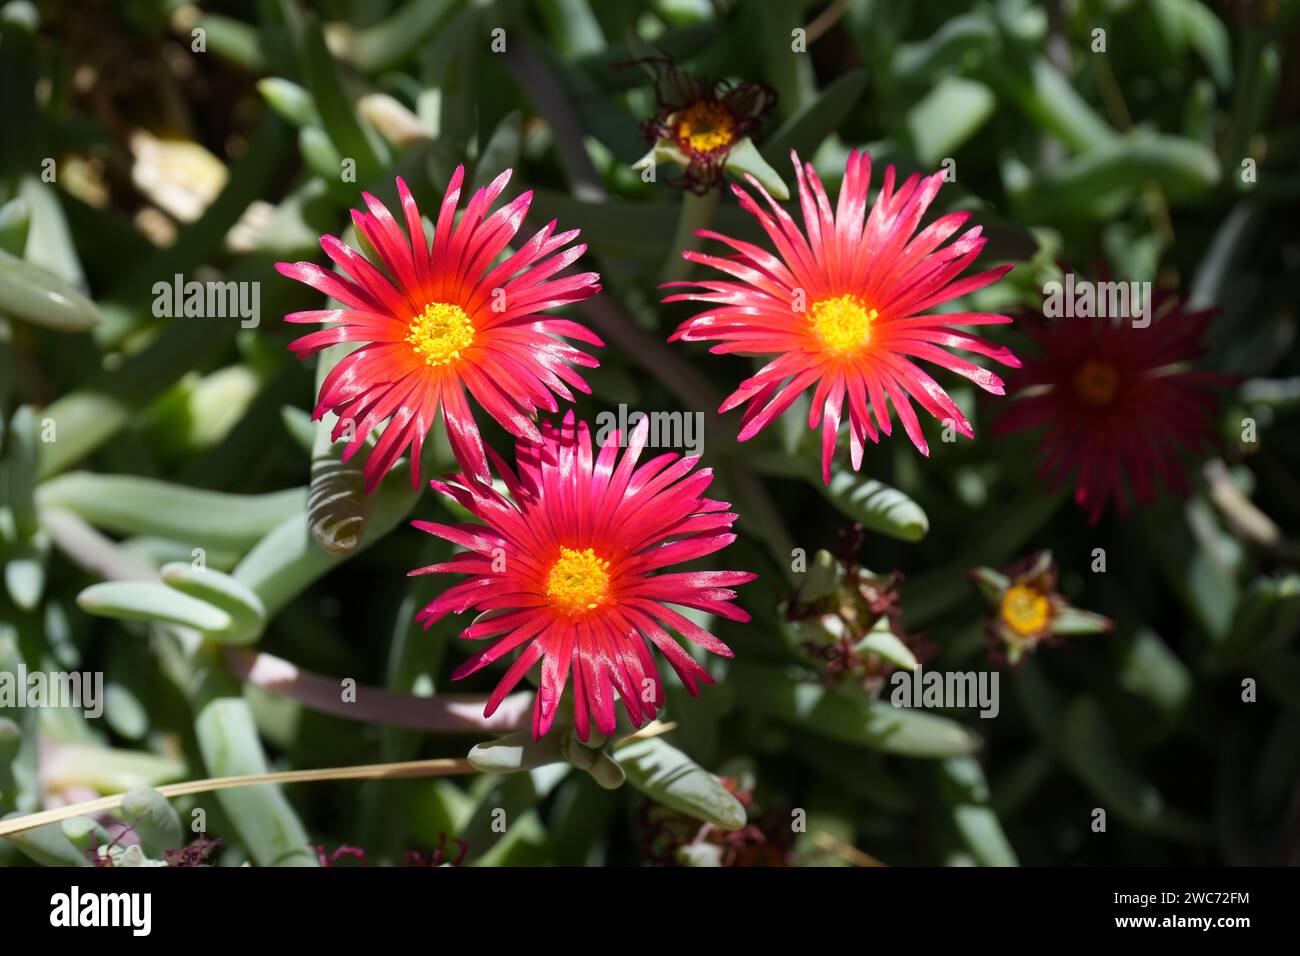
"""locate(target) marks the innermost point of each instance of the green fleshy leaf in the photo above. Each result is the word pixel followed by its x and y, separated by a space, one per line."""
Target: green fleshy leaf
pixel 287 560
pixel 1208 36
pixel 516 751
pixel 338 113
pixel 852 719
pixel 337 505
pixel 1080 735
pixel 966 793
pixel 880 641
pixel 233 41
pixel 147 601
pixel 1151 670
pixel 228 740
pixel 1267 617
pixel 745 159
pixel 387 43
pixel 664 773
pixel 323 159
pixel 34 294
pixel 1072 620
pixel 877 505
pixel 124 711
pixel 992 584
pixel 299 426
pixel 25 570
pixel 49 239
pixel 948 46
pixel 47 846
pixel 1181 167
pixel 15 220
pixel 1274 393
pixel 501 151
pixel 129 505
pixel 1051 101
pixel 11 739
pixel 947 117
pixel 20 462
pixel 153 820
pixel 290 100
pixel 805 130
pixel 107 769
pixel 247 615
pixel 823 577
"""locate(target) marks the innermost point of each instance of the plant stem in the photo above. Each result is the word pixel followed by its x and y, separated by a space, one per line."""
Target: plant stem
pixel 446 713
pixel 406 770
pixel 697 213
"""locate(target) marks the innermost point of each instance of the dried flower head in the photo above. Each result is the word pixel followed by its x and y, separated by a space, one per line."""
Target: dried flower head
pixel 701 124
pixel 1027 610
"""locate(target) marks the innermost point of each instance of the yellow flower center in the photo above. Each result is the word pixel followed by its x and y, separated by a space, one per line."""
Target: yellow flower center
pixel 706 126
pixel 440 332
pixel 578 582
pixel 1095 382
pixel 843 324
pixel 1026 610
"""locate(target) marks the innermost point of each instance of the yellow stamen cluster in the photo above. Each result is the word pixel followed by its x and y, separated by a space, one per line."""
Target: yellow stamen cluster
pixel 842 324
pixel 1026 610
pixel 440 332
pixel 1095 382
pixel 706 126
pixel 578 581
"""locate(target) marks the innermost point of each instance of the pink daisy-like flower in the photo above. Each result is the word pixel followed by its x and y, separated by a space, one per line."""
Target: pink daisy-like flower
pixel 844 308
pixel 565 569
pixel 439 320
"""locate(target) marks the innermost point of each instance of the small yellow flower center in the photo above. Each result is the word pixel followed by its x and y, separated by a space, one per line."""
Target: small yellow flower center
pixel 706 126
pixel 578 582
pixel 440 332
pixel 843 324
pixel 1095 382
pixel 1026 610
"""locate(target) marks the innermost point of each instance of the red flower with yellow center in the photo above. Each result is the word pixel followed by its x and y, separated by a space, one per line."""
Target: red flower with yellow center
pixel 437 320
pixel 568 569
pixel 1117 402
pixel 844 306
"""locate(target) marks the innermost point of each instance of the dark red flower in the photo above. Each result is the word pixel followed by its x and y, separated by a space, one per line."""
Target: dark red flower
pixel 1118 402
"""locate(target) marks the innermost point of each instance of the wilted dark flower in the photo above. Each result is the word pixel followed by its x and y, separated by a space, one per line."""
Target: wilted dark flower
pixel 192 854
pixel 671 838
pixel 1028 610
pixel 850 622
pixel 440 856
pixel 1115 399
pixel 701 123
pixel 343 852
